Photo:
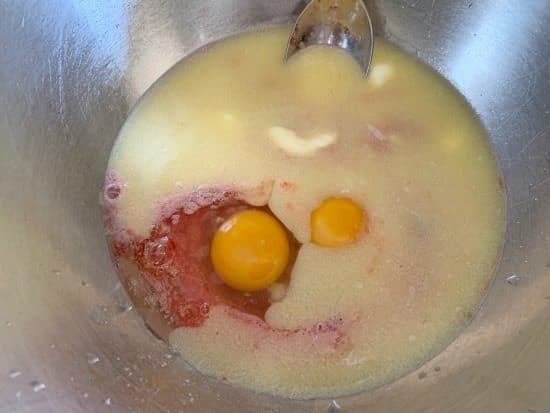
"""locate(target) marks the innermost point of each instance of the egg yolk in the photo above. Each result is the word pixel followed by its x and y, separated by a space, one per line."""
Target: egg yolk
pixel 336 222
pixel 250 250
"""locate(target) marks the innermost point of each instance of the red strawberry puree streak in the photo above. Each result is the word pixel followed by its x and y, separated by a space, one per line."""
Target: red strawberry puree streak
pixel 175 261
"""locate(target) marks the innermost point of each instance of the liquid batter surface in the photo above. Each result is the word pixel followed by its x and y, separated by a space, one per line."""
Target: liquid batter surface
pixel 233 128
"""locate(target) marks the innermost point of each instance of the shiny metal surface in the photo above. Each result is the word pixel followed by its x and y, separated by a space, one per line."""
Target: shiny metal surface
pixel 341 23
pixel 69 72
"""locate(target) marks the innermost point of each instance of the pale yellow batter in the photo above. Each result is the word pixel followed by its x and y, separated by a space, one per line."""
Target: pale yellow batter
pixel 402 143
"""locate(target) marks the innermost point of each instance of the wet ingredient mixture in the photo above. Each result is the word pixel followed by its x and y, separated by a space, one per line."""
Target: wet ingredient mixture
pixel 298 229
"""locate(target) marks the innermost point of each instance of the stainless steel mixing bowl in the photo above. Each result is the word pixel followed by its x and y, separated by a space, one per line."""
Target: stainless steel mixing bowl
pixel 70 70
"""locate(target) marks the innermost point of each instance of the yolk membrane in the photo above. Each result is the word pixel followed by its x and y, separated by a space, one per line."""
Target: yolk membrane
pixel 250 250
pixel 336 222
